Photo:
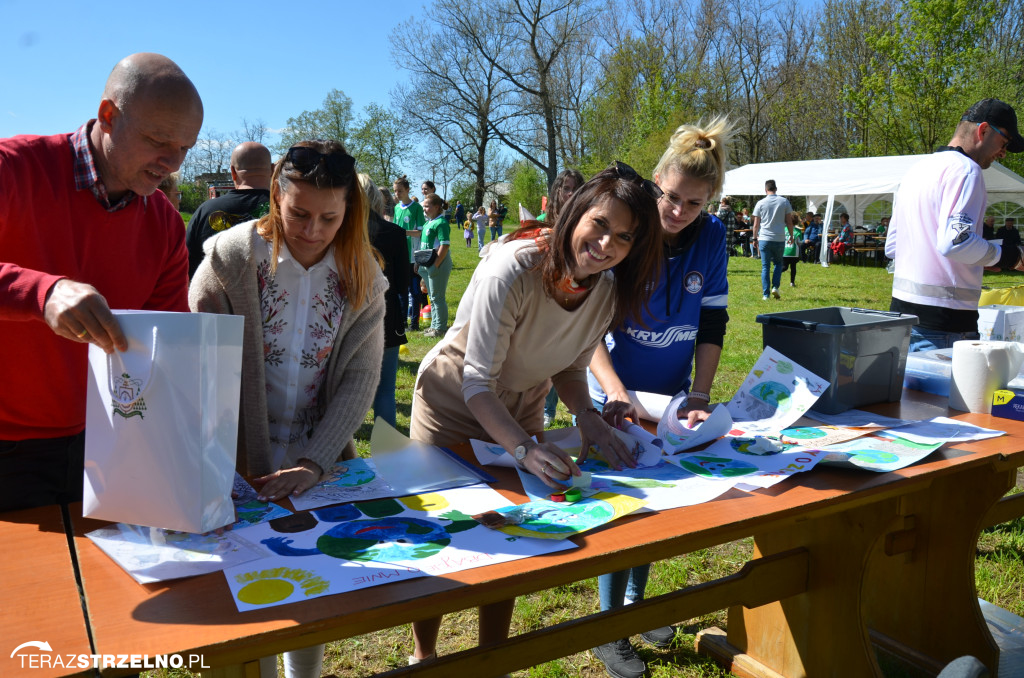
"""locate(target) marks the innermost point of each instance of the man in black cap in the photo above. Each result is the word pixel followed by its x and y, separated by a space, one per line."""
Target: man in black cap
pixel 935 236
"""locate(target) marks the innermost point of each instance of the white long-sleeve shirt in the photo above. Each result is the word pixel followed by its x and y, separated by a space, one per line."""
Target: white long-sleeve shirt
pixel 935 236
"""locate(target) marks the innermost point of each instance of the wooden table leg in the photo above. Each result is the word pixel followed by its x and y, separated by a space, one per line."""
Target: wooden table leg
pixel 820 632
pixel 921 577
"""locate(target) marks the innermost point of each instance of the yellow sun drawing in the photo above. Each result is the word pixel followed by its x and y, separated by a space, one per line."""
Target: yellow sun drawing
pixel 273 585
pixel 425 502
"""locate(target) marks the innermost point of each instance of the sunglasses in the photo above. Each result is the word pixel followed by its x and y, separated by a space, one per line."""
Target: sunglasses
pixel 306 159
pixel 629 174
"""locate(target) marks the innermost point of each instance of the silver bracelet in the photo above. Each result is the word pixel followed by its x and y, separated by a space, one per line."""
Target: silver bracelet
pixel 697 394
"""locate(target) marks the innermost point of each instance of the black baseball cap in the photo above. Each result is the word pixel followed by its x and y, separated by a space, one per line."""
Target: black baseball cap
pixel 1000 114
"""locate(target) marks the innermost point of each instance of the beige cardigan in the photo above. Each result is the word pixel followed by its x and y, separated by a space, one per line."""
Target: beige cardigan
pixel 226 283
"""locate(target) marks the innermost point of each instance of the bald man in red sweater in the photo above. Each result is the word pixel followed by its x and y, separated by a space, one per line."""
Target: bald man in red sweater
pixel 83 229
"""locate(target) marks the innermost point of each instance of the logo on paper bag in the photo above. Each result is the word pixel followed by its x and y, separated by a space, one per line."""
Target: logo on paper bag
pixel 128 390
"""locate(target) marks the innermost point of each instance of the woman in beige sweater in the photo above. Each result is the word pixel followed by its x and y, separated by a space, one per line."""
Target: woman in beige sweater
pixel 535 309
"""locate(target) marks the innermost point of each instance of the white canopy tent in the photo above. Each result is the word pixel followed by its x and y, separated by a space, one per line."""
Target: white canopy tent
pixel 854 182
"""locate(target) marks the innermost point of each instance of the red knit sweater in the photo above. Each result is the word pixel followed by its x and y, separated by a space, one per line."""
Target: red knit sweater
pixel 135 257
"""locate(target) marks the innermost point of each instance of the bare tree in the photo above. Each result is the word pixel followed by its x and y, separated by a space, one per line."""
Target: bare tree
pixel 525 40
pixel 211 154
pixel 254 130
pixel 453 98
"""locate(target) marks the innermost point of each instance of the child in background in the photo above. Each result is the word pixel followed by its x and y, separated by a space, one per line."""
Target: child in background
pixel 791 253
pixel 467 232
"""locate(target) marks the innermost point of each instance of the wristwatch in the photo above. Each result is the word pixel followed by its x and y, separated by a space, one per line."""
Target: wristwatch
pixel 520 454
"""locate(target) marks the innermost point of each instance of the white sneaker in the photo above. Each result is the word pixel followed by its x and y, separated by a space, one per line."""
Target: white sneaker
pixel 413 661
pixel 548 420
pixel 775 292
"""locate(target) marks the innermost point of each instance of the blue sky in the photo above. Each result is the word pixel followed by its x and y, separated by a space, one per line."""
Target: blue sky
pixel 258 59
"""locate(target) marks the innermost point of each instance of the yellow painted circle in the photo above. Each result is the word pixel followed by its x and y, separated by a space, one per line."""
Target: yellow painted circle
pixel 265 591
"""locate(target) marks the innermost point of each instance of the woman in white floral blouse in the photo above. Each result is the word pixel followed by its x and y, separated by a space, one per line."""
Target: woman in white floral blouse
pixel 312 293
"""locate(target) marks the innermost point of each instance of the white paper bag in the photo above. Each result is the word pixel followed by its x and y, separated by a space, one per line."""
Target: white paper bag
pixel 161 428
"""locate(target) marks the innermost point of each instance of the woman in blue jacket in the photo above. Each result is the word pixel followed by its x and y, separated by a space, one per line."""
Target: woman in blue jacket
pixel 683 331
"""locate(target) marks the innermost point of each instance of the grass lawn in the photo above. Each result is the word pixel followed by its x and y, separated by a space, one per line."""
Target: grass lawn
pixel 999 575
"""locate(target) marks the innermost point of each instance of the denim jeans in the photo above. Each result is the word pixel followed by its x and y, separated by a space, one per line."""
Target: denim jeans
pixel 384 399
pixel 771 253
pixel 415 300
pixel 481 232
pixel 551 403
pixel 41 472
pixel 926 339
pixel 437 286
pixel 614 588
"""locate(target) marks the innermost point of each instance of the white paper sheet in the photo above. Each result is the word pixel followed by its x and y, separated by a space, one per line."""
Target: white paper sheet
pixel 412 467
pixel 650 406
pixel 943 430
pixel 677 437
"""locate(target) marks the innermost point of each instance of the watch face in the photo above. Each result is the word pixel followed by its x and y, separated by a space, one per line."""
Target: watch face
pixel 519 452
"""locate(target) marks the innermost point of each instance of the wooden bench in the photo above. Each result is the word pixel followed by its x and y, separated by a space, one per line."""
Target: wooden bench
pixel 861 252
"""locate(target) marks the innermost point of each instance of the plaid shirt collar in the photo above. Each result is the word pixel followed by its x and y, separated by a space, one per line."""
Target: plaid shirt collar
pixel 86 174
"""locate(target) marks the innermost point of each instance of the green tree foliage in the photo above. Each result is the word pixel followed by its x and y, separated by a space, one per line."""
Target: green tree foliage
pixel 193 194
pixel 634 103
pixel 379 143
pixel 528 186
pixel 923 76
pixel 464 192
pixel 331 121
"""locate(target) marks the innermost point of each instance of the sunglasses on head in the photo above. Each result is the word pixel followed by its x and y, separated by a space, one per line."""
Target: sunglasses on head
pixel 629 174
pixel 306 159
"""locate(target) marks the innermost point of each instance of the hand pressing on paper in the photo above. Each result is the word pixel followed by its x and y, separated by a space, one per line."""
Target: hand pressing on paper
pixel 694 413
pixel 595 431
pixel 549 462
pixel 288 481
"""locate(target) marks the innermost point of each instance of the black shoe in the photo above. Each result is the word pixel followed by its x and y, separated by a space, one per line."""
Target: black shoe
pixel 620 659
pixel 661 637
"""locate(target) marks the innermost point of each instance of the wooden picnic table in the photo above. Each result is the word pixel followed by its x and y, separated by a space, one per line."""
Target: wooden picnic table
pixel 842 559
pixel 41 602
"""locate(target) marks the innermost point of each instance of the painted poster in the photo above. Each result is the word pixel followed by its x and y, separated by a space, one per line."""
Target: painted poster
pixel 249 509
pixel 546 519
pixel 878 452
pixel 664 486
pixel 748 462
pixel 354 546
pixel 775 394
pixel 358 482
pixel 808 432
pixel 646 449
